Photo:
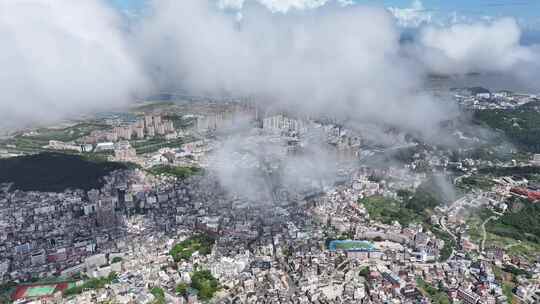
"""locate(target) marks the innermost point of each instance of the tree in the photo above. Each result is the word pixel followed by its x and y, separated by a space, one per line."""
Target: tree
pixel 182 289
pixel 159 295
pixel 116 260
pixel 364 272
pixel 205 283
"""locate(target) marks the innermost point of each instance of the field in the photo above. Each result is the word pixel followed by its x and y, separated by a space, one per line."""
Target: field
pixel 38 291
pixel 349 245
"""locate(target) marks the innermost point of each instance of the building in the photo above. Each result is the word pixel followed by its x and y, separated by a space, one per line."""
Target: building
pixel 280 123
pixel 468 297
pixel 124 152
pixel 60 145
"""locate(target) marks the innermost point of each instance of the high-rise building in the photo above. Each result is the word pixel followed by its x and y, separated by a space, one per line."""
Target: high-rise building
pixel 148 121
pixel 150 131
pixel 139 131
pixel 169 126
pixel 160 129
pixel 283 123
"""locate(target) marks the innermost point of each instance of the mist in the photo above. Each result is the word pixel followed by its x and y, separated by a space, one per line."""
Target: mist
pixel 256 166
pixel 341 62
pixel 491 48
pixel 61 58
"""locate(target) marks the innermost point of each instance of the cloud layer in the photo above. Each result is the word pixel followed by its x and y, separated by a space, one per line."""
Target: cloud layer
pixel 412 16
pixel 464 48
pixel 60 57
pixel 344 62
pixel 280 6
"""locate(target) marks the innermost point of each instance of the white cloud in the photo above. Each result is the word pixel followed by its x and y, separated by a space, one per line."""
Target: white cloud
pixel 492 46
pixel 60 57
pixel 280 6
pixel 412 16
pixel 231 4
pixel 345 62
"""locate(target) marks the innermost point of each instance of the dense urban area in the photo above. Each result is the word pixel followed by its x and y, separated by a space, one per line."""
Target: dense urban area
pixel 219 200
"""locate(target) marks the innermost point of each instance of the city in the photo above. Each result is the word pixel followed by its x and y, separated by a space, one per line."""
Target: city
pixel 365 232
pixel 269 151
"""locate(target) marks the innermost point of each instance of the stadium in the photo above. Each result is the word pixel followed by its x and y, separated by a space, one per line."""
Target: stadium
pixel 36 291
pixel 350 245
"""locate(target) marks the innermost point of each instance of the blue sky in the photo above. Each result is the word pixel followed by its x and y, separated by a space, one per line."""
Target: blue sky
pixel 513 7
pixel 526 11
pixel 521 9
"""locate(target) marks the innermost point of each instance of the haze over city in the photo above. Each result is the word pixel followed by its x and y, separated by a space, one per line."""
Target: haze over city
pixel 269 151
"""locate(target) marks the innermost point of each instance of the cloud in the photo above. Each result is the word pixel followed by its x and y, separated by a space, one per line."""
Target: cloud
pixel 344 62
pixel 257 167
pixel 280 6
pixel 477 47
pixel 60 57
pixel 413 16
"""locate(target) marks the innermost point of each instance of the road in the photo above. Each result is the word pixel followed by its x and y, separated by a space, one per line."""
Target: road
pixel 443 226
pixel 484 234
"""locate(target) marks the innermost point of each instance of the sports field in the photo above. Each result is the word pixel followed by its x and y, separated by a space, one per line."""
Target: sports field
pixel 350 245
pixel 38 290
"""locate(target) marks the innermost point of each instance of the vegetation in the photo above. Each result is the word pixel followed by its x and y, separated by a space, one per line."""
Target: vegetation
pixel 508 291
pixel 154 144
pixel 510 171
pixel 96 283
pixel 525 249
pixel 178 172
pixel 55 172
pixel 521 125
pixel 428 196
pixel 67 134
pixel 449 242
pixel 388 210
pixel 475 182
pixel 154 105
pixel 205 283
pixel 35 142
pixel 364 272
pixel 516 271
pixel 185 249
pixel 182 289
pixel 116 260
pixel 179 121
pixel 436 295
pixel 6 289
pixel 415 207
pixel 522 222
pixel 158 294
